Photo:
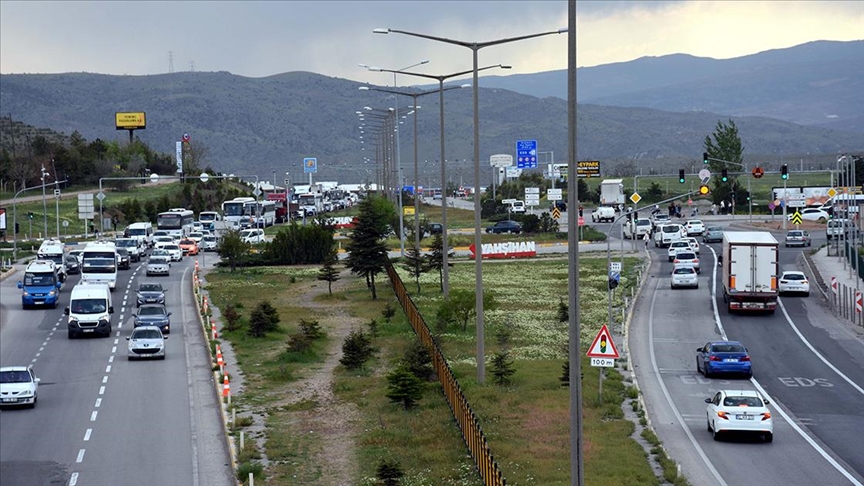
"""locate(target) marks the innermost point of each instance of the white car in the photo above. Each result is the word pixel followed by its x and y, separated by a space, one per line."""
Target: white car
pixel 174 251
pixel 695 227
pixel 18 386
pixel 208 243
pixel 660 219
pixel 196 236
pixel 252 235
pixel 161 241
pixel 694 244
pixel 809 214
pixel 146 342
pixel 684 277
pixel 739 411
pixel 794 282
pixel 677 246
pixel 158 265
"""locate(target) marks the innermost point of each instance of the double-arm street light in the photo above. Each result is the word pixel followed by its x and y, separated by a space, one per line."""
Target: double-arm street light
pixel 441 78
pixel 416 107
pixel 478 243
pixel 44 202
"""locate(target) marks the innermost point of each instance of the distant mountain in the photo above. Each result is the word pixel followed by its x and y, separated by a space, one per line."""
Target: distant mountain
pixel 819 83
pixel 261 125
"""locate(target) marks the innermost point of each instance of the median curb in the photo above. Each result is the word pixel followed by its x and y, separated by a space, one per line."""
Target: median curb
pixel 7 274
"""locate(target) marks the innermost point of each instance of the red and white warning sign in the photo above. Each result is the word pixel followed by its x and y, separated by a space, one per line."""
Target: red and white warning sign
pixel 603 347
pixel 834 284
pixel 859 302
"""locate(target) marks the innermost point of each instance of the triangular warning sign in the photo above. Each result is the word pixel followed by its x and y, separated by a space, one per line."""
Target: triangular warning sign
pixel 603 347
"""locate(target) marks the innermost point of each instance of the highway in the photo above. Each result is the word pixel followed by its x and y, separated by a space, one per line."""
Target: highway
pixel 101 419
pixel 807 361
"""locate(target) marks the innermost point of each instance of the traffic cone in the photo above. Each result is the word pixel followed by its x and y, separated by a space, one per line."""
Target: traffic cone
pixel 219 360
pixel 213 329
pixel 205 304
pixel 226 387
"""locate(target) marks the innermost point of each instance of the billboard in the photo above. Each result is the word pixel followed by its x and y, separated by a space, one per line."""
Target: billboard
pixel 802 196
pixel 2 219
pixel 130 120
pixel 588 168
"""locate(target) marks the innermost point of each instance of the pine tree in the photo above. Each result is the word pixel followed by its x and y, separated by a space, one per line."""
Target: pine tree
pixel 328 272
pixel 356 350
pixel 563 311
pixel 367 251
pixel 502 367
pixel 403 387
pixel 389 472
pixel 418 361
pixel 435 259
pixel 388 312
pixel 415 264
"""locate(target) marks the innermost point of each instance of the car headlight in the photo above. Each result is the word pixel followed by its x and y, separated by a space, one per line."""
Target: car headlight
pixel 26 294
pixel 73 322
pixel 52 293
pixel 103 321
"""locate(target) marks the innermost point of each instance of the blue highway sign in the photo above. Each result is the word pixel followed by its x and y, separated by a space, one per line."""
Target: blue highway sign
pixel 526 154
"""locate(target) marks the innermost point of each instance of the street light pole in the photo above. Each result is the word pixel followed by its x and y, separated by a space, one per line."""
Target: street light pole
pixel 478 242
pixel 44 203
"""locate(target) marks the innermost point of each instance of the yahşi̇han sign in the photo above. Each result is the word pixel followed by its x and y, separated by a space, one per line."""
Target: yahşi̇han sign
pixel 507 249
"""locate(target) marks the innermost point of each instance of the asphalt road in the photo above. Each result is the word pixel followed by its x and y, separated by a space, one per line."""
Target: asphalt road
pixel 806 360
pixel 101 419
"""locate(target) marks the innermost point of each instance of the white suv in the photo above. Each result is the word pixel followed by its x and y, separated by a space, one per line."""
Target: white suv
pixel 666 234
pixel 252 235
pixel 18 386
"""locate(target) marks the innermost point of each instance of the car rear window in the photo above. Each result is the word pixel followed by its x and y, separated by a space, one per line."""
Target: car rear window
pixel 794 233
pixel 727 348
pixel 742 402
pixel 686 255
pixel 793 276
pixel 684 270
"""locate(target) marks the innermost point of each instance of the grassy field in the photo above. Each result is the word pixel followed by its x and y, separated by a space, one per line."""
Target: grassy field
pixel 526 423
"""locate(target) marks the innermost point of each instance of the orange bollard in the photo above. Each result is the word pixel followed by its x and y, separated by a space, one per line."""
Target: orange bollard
pixel 226 387
pixel 213 329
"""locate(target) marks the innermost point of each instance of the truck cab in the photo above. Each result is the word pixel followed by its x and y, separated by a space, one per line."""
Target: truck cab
pixel 41 285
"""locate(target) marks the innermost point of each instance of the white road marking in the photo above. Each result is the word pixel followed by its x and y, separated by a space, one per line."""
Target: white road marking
pixel 786 417
pixel 812 349
pixel 108 369
pixel 43 347
pixel 111 359
pixel 80 456
pixel 104 380
pixel 74 479
pixel 87 434
pixel 38 354
pixel 33 360
pixel 114 348
pixel 98 402
pixel 101 390
pixel 93 416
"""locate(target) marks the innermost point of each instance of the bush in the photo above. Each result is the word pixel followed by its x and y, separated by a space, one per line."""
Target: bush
pixel 403 387
pixel 388 312
pixel 232 317
pixel 418 361
pixel 389 472
pixel 311 329
pixel 356 350
pixel 263 319
pixel 244 469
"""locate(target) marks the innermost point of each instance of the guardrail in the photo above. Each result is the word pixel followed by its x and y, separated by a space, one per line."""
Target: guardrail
pixel 469 425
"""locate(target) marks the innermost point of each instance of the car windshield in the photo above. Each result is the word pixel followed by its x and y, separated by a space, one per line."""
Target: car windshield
pixel 156 310
pixel 87 306
pixel 742 402
pixel 14 377
pixel 158 260
pixel 100 265
pixel 793 276
pixel 126 243
pixel 150 288
pixel 684 270
pixel 146 334
pixel 39 279
pixel 187 242
pixel 727 348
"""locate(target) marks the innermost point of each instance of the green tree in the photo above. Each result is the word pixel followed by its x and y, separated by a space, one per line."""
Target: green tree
pixel 233 248
pixel 389 472
pixel 328 272
pixel 563 311
pixel 356 350
pixel 462 303
pixel 726 146
pixel 435 259
pixel 388 312
pixel 403 387
pixel 263 319
pixel 418 361
pixel 415 264
pixel 367 252
pixel 502 367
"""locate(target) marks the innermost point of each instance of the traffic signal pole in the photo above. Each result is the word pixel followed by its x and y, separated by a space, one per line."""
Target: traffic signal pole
pixel 706 158
pixel 15 216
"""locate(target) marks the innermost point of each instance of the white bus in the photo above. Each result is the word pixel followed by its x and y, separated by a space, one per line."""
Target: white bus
pixel 234 209
pixel 177 222
pixel 99 263
pixel 262 211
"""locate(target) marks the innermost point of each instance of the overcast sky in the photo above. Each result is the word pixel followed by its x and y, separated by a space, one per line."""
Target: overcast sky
pixel 259 39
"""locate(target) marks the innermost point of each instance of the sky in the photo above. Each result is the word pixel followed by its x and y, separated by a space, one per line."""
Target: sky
pixel 258 39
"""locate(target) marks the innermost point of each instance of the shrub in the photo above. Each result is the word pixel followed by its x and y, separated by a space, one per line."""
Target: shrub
pixel 373 327
pixel 232 317
pixel 299 343
pixel 244 469
pixel 403 387
pixel 388 312
pixel 502 367
pixel 356 350
pixel 389 472
pixel 311 329
pixel 263 319
pixel 418 361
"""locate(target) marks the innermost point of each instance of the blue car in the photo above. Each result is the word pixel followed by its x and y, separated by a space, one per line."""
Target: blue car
pixel 723 357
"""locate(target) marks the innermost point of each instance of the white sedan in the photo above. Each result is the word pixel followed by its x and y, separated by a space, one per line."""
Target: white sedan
pixel 174 251
pixel 677 246
pixel 18 386
pixel 739 411
pixel 684 277
pixel 794 282
pixel 695 227
pixel 809 214
pixel 694 244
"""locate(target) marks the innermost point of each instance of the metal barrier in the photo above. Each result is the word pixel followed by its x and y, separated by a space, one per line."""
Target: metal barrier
pixel 469 426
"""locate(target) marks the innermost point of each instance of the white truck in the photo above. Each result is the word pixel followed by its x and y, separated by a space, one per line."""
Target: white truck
pixel 665 234
pixel 750 271
pixel 636 228
pixel 612 192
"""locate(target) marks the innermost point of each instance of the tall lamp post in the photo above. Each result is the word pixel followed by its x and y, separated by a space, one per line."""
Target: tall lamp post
pixel 414 97
pixel 478 242
pixel 44 202
pixel 441 78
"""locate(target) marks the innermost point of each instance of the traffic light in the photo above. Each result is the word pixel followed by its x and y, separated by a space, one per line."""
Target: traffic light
pixel 704 190
pixel 17 227
pixel 724 175
pixel 784 172
pixel 612 283
pixel 580 210
pixel 704 157
pixel 30 215
pixel 681 176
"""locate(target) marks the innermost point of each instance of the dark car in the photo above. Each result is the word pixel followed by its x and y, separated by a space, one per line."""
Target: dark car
pixel 72 264
pixel 505 227
pixel 149 293
pixel 124 261
pixel 723 357
pixel 154 315
pixel 561 205
pixel 436 228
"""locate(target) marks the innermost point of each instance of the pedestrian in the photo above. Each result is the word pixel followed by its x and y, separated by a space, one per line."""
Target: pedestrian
pixel 646 238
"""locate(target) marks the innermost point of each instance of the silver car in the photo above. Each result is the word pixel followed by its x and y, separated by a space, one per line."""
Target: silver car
pixel 158 265
pixel 146 342
pixel 686 259
pixel 684 277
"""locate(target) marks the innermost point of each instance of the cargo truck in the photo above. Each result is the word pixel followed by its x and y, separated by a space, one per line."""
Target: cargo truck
pixel 750 271
pixel 612 192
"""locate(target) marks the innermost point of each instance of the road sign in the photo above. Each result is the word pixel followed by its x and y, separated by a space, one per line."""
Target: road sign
pixel 635 197
pixel 526 154
pixel 832 192
pixel 100 196
pixel 554 195
pixel 501 160
pixel 204 177
pixel 603 362
pixel 154 178
pixel 603 347
pixel 257 191
pixel 616 276
pixel 705 176
pixel 65 223
pixel 771 206
pixel 758 172
pixel 186 137
pixel 408 210
pixel 796 218
pixel 57 193
pixel 532 190
pixel 581 221
pixel 556 213
pixel 834 286
pixel 614 266
pixel 859 302
pixel 587 168
pixel 310 165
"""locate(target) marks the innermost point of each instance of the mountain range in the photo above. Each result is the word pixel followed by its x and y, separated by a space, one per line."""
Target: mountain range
pixel 649 112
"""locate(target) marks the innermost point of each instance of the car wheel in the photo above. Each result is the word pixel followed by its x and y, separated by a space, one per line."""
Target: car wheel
pixel 35 399
pixel 707 371
pixel 708 425
pixel 769 437
pixel 697 285
pixel 748 375
pixel 697 366
pixel 162 357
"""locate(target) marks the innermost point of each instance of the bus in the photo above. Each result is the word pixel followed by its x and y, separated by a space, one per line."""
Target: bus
pixel 234 209
pixel 209 216
pixel 177 222
pixel 99 263
pixel 263 213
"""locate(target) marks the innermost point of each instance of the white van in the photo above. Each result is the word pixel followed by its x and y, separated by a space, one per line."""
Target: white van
pixel 143 232
pixel 54 250
pixel 666 234
pixel 89 310
pixel 99 263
